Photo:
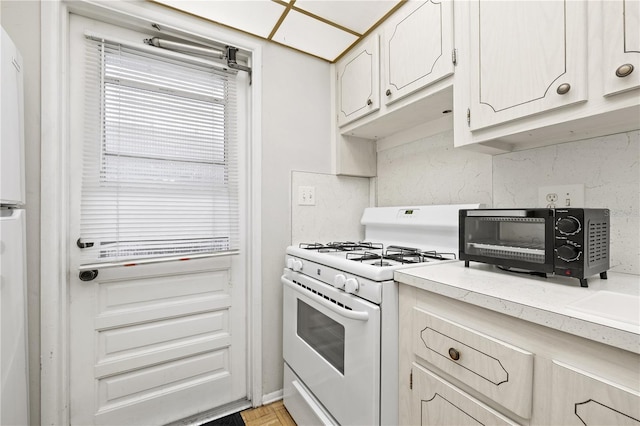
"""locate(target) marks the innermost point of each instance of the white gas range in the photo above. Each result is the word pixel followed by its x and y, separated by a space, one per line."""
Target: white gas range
pixel 340 314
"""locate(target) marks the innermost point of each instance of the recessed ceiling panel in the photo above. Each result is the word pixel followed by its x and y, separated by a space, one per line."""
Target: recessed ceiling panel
pixel 315 37
pixel 257 17
pixel 356 15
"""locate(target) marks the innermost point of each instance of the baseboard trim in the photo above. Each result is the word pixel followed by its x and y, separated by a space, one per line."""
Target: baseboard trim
pixel 272 397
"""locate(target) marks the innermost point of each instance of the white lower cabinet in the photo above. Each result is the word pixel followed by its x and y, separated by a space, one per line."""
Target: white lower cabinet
pixel 496 369
pixel 436 402
pixel 582 398
pixel 461 364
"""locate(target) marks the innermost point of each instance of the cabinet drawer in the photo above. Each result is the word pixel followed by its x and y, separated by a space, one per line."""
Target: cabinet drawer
pixel 436 402
pixel 496 369
pixel 581 398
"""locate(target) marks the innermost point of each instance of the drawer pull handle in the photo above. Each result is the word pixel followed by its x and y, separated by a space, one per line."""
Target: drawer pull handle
pixel 454 354
pixel 369 102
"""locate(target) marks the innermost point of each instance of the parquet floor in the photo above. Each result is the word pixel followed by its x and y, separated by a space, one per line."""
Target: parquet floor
pixel 274 414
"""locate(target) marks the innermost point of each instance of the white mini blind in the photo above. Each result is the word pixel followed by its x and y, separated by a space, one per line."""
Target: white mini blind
pixel 160 162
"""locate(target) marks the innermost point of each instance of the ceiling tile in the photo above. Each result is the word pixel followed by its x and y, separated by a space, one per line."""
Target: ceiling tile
pixel 357 15
pixel 253 16
pixel 315 37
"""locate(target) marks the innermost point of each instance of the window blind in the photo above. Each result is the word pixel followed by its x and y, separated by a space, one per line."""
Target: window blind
pixel 160 161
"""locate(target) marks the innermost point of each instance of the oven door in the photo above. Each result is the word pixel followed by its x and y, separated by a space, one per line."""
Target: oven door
pixel 331 340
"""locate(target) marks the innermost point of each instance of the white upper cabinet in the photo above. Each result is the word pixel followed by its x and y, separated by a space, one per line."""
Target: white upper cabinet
pixel 358 81
pixel 527 57
pixel 417 47
pixel 621 45
pixel 535 73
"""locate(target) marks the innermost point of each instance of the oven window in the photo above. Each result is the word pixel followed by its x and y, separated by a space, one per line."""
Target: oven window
pixel 322 333
pixel 515 238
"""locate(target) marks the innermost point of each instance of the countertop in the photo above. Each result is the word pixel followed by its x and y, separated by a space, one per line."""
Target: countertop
pixel 608 311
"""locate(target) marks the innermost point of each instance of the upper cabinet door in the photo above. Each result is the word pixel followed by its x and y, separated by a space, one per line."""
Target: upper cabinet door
pixel 417 47
pixel 527 57
pixel 359 82
pixel 621 45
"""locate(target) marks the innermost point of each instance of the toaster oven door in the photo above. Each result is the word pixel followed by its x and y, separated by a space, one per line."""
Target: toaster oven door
pixel 512 238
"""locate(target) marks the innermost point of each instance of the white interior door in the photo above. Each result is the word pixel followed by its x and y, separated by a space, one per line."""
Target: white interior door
pixel 153 343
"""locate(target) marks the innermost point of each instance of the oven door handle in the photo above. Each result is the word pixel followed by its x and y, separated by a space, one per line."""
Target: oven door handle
pixel 354 315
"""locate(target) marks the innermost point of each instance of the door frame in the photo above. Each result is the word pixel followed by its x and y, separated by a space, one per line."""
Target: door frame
pixel 54 327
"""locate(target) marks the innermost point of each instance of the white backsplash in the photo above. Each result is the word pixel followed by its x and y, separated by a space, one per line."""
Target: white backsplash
pixel 340 201
pixel 430 171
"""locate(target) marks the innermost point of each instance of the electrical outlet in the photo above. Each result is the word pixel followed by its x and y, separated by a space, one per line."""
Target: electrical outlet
pixel 306 195
pixel 559 196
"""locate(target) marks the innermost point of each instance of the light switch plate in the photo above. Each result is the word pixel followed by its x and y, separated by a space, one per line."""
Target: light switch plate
pixel 559 196
pixel 306 195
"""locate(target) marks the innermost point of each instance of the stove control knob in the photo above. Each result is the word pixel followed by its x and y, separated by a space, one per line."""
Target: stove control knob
pixel 295 264
pixel 351 285
pixel 339 280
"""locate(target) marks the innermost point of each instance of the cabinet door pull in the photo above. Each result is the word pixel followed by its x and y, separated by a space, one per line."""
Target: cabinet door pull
pixel 624 70
pixel 454 354
pixel 563 88
pixel 369 102
pixel 388 92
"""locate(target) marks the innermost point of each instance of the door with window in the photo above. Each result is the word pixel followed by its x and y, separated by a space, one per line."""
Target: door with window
pixel 157 312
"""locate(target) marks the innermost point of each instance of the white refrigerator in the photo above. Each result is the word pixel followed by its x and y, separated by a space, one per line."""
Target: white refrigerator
pixel 14 391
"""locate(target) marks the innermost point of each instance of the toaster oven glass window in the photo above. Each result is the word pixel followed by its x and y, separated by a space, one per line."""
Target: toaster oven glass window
pixel 515 238
pixel 322 333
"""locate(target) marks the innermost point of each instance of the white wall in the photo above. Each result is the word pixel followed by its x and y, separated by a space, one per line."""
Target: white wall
pixel 295 135
pixel 21 20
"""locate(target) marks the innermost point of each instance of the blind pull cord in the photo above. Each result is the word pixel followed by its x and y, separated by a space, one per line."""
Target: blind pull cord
pixel 229 54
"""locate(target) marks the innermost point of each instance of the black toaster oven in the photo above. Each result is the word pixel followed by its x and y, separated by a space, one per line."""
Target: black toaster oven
pixel 572 242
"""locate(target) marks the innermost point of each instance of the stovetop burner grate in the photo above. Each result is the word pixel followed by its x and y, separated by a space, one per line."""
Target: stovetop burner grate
pixel 398 254
pixel 341 246
pixel 375 253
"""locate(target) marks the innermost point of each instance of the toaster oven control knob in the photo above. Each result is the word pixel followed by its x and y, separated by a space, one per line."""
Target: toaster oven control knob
pixel 339 280
pixel 351 285
pixel 568 253
pixel 568 225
